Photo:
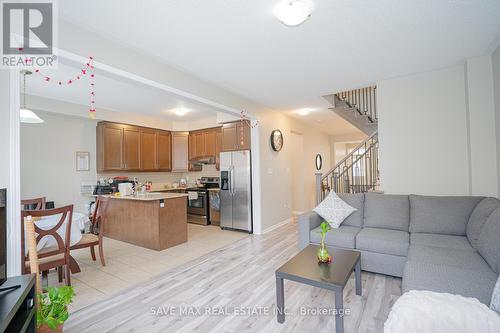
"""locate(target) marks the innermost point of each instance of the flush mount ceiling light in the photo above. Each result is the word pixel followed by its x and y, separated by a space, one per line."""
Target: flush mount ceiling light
pixel 181 111
pixel 27 116
pixel 292 12
pixel 304 111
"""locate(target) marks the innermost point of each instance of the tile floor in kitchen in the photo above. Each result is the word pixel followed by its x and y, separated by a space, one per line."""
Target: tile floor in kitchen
pixel 127 265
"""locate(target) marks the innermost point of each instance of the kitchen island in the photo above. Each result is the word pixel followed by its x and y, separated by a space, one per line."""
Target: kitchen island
pixel 154 220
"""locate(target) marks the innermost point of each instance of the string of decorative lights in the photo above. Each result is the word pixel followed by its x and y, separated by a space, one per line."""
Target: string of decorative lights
pixel 245 121
pixel 86 70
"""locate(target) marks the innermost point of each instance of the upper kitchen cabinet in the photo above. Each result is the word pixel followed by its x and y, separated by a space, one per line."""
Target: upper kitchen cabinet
pixel 131 148
pixel 123 147
pixel 148 150
pixel 109 147
pixel 180 149
pixel 235 136
pixel 164 150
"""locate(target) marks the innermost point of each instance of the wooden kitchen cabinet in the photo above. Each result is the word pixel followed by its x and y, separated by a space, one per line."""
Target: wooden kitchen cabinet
pixel 218 148
pixel 122 147
pixel 180 151
pixel 131 148
pixel 148 150
pixel 235 136
pixel 164 150
pixel 199 144
pixel 109 147
pixel 210 143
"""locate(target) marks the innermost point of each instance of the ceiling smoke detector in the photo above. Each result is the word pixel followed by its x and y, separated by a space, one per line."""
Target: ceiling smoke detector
pixel 292 12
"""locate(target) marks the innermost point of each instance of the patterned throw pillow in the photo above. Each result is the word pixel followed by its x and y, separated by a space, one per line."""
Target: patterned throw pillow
pixel 334 210
pixel 495 297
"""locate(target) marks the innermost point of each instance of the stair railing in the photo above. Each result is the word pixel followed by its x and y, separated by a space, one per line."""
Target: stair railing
pixel 356 173
pixel 363 100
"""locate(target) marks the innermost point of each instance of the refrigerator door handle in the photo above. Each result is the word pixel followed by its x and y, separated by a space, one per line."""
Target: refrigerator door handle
pixel 231 179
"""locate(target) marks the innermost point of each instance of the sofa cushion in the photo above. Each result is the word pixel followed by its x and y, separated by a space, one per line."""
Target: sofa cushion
pixel 386 241
pixel 334 210
pixel 344 236
pixel 447 241
pixel 387 211
pixel 357 201
pixel 448 257
pixel 441 215
pixel 488 244
pixel 478 218
pixel 449 279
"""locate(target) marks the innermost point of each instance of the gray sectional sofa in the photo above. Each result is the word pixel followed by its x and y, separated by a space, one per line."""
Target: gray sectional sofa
pixel 443 244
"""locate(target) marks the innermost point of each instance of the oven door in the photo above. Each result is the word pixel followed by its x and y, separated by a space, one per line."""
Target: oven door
pixel 198 206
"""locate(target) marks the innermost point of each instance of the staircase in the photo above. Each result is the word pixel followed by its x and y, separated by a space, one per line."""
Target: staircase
pixel 356 173
pixel 358 107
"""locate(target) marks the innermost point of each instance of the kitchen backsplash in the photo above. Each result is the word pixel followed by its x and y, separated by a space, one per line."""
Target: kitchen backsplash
pixel 208 170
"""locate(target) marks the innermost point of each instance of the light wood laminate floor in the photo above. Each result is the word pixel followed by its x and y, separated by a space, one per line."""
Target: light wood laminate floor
pixel 238 277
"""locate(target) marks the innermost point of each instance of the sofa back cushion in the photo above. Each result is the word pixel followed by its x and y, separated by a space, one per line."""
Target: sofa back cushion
pixel 357 201
pixel 387 211
pixel 488 244
pixel 441 215
pixel 478 218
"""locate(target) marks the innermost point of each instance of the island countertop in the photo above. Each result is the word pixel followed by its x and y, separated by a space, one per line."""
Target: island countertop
pixel 151 196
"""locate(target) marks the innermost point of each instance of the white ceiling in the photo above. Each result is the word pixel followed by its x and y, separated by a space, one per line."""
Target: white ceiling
pixel 116 95
pixel 240 46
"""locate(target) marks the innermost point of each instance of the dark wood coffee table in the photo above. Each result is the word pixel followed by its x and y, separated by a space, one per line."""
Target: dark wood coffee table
pixel 304 268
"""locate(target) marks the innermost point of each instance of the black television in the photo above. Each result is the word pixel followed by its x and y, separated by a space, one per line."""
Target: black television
pixel 3 235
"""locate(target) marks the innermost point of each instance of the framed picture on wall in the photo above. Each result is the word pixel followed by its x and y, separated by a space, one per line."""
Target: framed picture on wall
pixel 82 161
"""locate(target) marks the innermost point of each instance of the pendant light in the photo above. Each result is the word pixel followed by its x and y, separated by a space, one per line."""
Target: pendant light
pixel 27 116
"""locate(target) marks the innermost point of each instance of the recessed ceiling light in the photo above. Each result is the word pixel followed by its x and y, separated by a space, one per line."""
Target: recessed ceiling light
pixel 181 111
pixel 292 12
pixel 304 111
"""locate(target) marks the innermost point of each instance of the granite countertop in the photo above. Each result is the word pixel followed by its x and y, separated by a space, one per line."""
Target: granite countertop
pixel 214 189
pixel 169 189
pixel 151 196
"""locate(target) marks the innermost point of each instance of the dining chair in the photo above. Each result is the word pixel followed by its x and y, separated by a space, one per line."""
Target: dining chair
pixel 38 202
pixel 55 256
pixel 95 236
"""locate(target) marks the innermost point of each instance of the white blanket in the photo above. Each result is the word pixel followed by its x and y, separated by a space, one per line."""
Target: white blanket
pixel 429 312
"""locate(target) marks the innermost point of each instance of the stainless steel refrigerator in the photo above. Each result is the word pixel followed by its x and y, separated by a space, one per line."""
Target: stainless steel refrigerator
pixel 236 190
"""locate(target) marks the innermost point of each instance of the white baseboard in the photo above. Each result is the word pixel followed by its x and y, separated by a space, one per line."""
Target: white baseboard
pixel 276 226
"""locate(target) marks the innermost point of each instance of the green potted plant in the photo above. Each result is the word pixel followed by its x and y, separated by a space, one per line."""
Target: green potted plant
pixel 52 309
pixel 322 254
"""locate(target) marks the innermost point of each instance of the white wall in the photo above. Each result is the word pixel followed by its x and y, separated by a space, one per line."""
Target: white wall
pixel 435 132
pixel 4 128
pixel 496 85
pixel 483 139
pixel 48 159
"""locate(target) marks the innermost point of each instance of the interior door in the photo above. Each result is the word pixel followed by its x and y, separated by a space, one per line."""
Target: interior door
pixel 242 194
pixel 226 195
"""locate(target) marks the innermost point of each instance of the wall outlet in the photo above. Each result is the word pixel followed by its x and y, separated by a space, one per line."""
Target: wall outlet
pixel 270 171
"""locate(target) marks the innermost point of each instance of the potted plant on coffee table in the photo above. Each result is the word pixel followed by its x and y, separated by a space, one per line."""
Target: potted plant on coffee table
pixel 52 309
pixel 322 254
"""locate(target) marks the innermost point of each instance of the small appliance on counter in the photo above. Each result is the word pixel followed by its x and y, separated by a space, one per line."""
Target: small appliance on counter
pixel 125 189
pixel 116 181
pixel 103 190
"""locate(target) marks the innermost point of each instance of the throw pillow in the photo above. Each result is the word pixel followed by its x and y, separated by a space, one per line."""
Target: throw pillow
pixel 495 297
pixel 334 210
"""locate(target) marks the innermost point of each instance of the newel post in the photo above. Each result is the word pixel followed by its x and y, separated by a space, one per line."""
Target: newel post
pixel 318 187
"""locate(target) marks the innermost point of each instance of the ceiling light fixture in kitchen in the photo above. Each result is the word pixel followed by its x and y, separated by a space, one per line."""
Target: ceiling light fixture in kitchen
pixel 292 12
pixel 181 111
pixel 27 116
pixel 304 111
